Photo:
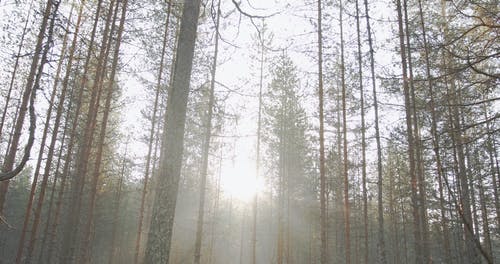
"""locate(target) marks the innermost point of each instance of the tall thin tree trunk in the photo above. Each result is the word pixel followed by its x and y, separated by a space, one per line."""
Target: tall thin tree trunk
pixel 257 158
pixel 116 209
pixel 151 136
pixel 464 200
pixel 463 206
pixel 410 138
pixel 337 191
pixel 322 172
pixel 206 145
pixel 435 138
pixel 216 208
pixel 484 212
pixel 160 233
pixel 381 242
pixel 363 137
pixel 242 236
pixel 393 213
pixel 86 248
pixel 69 233
pixel 345 160
pixel 419 169
pixel 28 96
pixel 493 169
pixel 27 216
pixel 403 223
pixel 281 181
pixel 83 175
pixel 50 210
pixel 470 180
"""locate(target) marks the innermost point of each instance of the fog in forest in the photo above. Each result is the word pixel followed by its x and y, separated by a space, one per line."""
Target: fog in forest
pixel 249 131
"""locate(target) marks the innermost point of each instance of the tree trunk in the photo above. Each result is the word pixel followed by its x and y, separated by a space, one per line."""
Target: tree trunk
pixel 151 136
pixel 344 137
pixel 206 145
pixel 484 212
pixel 322 195
pixel 116 209
pixel 435 139
pixel 33 79
pixel 419 167
pixel 69 233
pixel 86 248
pixel 493 169
pixel 463 206
pixel 216 208
pixel 43 186
pixel 411 141
pixel 363 137
pixel 160 233
pixel 377 139
pixel 257 159
pixel 46 233
pixel 281 182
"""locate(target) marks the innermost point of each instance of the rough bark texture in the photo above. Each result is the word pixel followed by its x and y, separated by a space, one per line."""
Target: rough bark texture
pixel 151 137
pixel 160 233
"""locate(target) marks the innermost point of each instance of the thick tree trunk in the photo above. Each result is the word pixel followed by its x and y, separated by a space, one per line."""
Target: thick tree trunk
pixel 151 136
pixel 160 233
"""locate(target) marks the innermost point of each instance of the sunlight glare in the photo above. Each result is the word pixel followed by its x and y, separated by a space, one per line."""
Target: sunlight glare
pixel 238 180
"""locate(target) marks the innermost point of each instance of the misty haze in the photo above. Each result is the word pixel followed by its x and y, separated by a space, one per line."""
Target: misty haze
pixel 249 131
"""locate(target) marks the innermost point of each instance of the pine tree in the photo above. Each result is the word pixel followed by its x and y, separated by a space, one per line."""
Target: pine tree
pixel 160 234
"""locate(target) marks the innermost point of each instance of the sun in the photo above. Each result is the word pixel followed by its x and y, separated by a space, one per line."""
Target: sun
pixel 238 180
